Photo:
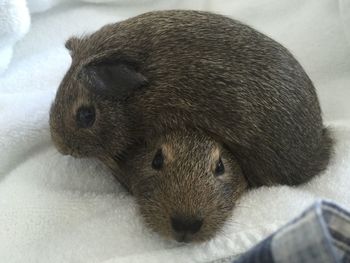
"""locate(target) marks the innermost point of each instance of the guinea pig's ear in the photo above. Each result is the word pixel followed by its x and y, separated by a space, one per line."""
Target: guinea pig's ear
pixel 112 79
pixel 72 43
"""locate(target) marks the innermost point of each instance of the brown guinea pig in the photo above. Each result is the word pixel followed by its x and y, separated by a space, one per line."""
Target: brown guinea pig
pixel 186 185
pixel 165 70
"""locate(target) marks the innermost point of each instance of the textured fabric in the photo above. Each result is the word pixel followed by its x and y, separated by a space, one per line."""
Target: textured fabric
pixel 320 235
pixel 14 24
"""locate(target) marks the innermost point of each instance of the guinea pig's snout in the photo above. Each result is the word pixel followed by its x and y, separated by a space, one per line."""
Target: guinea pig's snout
pixel 184 227
pixel 62 149
pixel 65 150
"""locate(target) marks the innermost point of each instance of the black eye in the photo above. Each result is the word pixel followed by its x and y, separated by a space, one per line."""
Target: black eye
pixel 158 160
pixel 85 116
pixel 220 168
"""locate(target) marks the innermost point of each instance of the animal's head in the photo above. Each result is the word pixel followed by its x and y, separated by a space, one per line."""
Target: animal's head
pixel 89 110
pixel 186 185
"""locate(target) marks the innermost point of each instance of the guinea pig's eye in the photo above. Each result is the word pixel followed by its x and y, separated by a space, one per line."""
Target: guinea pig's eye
pixel 220 168
pixel 158 160
pixel 85 116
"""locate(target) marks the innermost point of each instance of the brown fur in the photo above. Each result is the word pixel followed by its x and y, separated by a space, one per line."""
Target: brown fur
pixel 186 187
pixel 162 71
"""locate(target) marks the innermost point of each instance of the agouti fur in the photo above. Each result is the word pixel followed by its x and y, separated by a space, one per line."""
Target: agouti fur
pixel 186 185
pixel 168 70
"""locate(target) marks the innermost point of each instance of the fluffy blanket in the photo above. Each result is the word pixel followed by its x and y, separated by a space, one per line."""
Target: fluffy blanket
pixel 55 208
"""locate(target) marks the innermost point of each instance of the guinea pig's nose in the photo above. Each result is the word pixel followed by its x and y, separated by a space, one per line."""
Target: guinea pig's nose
pixel 186 225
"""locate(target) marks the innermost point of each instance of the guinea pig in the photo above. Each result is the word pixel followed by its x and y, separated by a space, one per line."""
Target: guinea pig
pixel 186 185
pixel 165 70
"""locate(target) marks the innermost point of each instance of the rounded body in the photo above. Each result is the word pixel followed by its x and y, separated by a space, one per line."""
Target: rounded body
pixel 206 72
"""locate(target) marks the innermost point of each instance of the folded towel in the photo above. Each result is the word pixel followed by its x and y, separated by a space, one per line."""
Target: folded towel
pixel 14 23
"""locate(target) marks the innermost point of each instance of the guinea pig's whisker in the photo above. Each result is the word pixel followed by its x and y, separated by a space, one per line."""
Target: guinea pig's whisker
pixel 230 222
pixel 243 207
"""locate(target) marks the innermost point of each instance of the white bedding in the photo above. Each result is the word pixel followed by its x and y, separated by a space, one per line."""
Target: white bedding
pixel 59 209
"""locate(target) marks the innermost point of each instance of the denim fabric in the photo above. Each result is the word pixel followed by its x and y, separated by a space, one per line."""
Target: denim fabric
pixel 320 234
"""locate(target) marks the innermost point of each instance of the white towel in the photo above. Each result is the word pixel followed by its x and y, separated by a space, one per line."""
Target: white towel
pixel 55 208
pixel 14 23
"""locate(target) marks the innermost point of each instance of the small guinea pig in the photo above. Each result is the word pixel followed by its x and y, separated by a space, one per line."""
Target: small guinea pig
pixel 186 185
pixel 164 70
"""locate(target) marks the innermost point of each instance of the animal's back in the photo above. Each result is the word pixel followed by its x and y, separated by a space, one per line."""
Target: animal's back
pixel 221 76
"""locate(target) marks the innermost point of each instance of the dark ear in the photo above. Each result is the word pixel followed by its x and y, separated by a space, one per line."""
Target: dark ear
pixel 72 43
pixel 112 79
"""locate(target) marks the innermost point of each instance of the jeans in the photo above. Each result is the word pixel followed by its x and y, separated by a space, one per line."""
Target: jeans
pixel 320 234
